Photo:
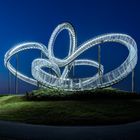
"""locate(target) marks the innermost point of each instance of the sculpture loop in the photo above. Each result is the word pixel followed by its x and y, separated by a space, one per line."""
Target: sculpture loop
pixel 61 79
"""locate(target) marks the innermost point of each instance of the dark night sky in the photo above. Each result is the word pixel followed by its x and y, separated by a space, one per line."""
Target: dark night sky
pixel 34 20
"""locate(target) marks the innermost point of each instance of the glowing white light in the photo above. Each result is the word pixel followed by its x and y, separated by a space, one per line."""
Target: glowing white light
pixel 61 80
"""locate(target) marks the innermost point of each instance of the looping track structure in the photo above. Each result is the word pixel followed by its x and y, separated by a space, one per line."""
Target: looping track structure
pixel 61 80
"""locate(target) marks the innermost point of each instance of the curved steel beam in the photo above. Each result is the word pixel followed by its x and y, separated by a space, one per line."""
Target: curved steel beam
pixel 61 80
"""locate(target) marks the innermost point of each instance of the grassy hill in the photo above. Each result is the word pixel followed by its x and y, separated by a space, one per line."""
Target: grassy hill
pixel 87 108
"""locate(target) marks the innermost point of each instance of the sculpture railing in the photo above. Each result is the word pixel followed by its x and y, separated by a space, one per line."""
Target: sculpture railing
pixel 61 79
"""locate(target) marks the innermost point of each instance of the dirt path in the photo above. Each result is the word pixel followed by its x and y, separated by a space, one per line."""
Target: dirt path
pixel 12 131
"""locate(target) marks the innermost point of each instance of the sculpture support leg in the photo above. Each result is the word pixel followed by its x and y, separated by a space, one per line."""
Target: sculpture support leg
pixel 99 61
pixel 16 80
pixel 133 80
pixel 9 82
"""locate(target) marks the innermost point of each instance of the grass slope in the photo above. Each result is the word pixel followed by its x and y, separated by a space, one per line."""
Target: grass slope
pixel 86 111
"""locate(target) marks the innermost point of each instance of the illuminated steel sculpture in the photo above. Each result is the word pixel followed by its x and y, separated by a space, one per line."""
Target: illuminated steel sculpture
pixel 61 80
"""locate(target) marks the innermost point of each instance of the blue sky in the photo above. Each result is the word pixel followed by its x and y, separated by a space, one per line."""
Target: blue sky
pixel 34 20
